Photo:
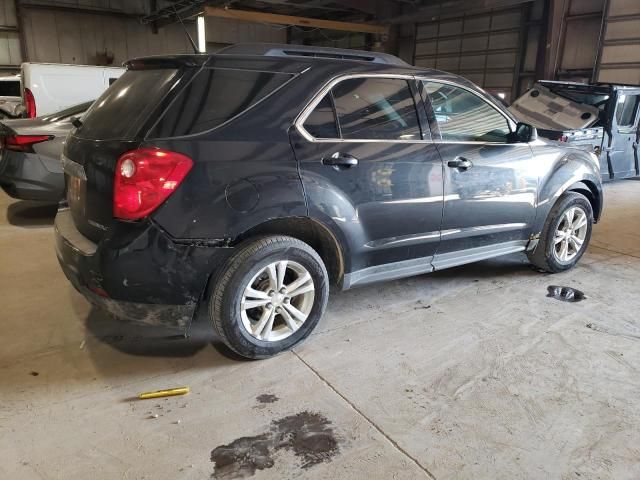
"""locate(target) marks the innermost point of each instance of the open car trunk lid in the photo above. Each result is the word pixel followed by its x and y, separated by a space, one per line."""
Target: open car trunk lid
pixel 544 109
pixel 114 124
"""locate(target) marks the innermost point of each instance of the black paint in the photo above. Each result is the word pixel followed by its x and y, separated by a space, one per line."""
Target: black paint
pixel 267 398
pixel 308 435
pixel 565 294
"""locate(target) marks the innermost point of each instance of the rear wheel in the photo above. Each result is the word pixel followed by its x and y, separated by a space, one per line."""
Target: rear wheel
pixel 565 235
pixel 269 297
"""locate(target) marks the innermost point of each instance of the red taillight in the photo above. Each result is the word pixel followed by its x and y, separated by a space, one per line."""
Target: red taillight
pixel 144 179
pixel 29 103
pixel 23 143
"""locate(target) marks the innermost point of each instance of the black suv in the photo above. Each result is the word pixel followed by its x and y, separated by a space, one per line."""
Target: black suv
pixel 249 181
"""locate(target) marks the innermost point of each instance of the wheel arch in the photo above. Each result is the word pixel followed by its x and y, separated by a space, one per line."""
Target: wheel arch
pixel 315 234
pixel 593 194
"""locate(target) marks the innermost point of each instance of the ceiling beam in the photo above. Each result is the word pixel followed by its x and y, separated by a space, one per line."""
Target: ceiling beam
pixel 260 17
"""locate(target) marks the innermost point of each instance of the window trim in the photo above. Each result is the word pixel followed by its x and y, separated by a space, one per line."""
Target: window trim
pixel 306 111
pixel 510 122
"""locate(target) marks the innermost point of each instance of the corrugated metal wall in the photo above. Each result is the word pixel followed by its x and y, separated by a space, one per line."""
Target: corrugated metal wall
pixel 10 54
pixel 487 48
pixel 87 38
pixel 620 49
pixel 580 33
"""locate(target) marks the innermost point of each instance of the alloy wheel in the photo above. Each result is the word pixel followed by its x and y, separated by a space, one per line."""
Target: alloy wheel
pixel 570 235
pixel 277 301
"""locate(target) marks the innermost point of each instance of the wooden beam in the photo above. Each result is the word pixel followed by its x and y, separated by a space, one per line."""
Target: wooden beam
pixel 260 17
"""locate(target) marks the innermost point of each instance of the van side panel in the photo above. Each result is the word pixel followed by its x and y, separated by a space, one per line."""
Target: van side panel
pixel 57 86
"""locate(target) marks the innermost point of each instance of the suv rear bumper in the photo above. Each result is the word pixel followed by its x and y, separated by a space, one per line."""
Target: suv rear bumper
pixel 141 281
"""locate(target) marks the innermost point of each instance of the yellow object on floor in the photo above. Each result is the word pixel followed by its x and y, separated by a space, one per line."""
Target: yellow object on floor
pixel 164 393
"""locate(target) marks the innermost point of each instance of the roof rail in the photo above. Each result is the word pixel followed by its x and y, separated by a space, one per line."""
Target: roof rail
pixel 289 50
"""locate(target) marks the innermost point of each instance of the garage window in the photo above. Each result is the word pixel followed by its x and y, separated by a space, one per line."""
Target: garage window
pixel 215 96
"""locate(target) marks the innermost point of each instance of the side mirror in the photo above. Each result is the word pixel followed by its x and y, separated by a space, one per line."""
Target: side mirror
pixel 524 133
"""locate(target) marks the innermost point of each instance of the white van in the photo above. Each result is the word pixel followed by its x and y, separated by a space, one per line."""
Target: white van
pixel 50 87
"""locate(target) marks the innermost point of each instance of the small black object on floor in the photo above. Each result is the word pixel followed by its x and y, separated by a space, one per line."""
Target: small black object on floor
pixel 565 294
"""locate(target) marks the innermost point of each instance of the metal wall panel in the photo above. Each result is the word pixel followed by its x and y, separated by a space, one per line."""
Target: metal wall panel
pixel 485 47
pixel 86 38
pixel 619 60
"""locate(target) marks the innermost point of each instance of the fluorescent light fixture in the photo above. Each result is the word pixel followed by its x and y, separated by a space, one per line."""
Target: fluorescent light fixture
pixel 202 38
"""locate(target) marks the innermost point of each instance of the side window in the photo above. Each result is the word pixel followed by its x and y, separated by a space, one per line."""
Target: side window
pixel 321 123
pixel 626 110
pixel 376 109
pixel 462 116
pixel 213 97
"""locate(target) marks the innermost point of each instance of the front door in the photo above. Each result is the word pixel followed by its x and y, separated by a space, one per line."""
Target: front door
pixel 490 184
pixel 623 152
pixel 370 173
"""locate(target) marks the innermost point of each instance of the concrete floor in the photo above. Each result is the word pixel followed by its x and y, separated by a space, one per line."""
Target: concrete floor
pixel 466 373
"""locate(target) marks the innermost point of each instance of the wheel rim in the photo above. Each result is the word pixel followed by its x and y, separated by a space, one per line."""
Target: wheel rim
pixel 568 240
pixel 277 301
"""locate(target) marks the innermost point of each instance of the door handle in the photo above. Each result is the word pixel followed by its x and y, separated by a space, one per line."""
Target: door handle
pixel 340 160
pixel 460 163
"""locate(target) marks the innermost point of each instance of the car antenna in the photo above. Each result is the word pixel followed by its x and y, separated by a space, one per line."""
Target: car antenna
pixel 193 44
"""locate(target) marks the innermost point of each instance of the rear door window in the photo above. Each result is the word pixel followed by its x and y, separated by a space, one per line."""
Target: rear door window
pixel 122 109
pixel 322 123
pixel 376 109
pixel 215 96
pixel 366 109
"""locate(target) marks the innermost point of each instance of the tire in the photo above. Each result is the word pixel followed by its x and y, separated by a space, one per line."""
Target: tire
pixel 546 255
pixel 258 264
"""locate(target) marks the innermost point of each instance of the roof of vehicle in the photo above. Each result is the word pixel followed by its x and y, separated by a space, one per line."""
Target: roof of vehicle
pixel 294 59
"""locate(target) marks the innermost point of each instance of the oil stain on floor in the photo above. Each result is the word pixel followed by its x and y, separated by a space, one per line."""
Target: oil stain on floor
pixel 267 398
pixel 307 434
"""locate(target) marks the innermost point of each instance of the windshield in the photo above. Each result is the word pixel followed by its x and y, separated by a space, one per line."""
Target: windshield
pixel 68 112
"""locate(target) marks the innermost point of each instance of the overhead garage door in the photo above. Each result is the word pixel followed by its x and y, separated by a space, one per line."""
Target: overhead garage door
pixel 485 48
pixel 620 50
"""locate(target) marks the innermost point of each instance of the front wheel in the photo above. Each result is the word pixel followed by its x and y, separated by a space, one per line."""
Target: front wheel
pixel 565 235
pixel 269 296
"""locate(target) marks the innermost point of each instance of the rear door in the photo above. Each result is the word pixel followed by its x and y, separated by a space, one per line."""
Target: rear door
pixel 369 170
pixel 623 152
pixel 490 184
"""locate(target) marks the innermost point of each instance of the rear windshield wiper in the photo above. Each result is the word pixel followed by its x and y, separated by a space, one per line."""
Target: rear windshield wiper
pixel 76 122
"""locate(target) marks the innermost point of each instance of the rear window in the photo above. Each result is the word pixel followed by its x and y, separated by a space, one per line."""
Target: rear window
pixel 122 109
pixel 10 88
pixel 215 96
